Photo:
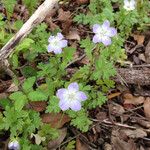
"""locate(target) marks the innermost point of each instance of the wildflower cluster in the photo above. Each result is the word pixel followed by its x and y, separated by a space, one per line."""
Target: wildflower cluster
pixel 72 97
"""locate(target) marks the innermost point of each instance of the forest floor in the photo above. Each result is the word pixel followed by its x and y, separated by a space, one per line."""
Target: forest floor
pixel 123 123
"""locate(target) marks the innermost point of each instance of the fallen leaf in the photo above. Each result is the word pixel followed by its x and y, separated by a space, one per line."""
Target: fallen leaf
pixel 101 116
pixel 63 16
pixel 52 145
pixel 107 146
pixel 138 133
pixel 143 123
pixel 82 2
pixel 85 61
pixel 130 99
pixel 146 106
pixel 147 52
pixel 142 57
pixel 80 145
pixel 55 120
pixel 3 95
pixel 73 35
pixel 51 24
pixel 38 138
pixel 38 106
pixel 119 142
pixel 13 88
pixel 139 38
pixel 113 95
pixel 116 109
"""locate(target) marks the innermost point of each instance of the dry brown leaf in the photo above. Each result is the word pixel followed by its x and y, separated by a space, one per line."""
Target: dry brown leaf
pixel 130 99
pixel 73 35
pixel 52 145
pixel 101 116
pixel 13 88
pixel 85 61
pixel 52 25
pixel 113 95
pixel 107 146
pixel 139 38
pixel 116 109
pixel 143 123
pixel 63 16
pixel 38 106
pixel 147 108
pixel 147 52
pixel 138 133
pixel 81 146
pixel 3 95
pixel 119 144
pixel 142 57
pixel 55 120
pixel 82 1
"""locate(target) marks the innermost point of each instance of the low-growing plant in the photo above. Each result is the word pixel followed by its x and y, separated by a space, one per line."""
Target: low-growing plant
pixel 87 88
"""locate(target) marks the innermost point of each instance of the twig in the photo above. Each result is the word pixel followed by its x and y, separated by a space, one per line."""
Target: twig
pixel 79 58
pixel 114 123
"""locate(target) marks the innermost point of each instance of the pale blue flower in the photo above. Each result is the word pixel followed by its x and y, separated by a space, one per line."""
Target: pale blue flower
pixel 56 43
pixel 103 33
pixel 71 97
pixel 14 145
pixel 129 5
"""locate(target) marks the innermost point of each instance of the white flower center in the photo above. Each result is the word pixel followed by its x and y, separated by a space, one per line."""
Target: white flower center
pixel 102 32
pixel 55 42
pixel 71 95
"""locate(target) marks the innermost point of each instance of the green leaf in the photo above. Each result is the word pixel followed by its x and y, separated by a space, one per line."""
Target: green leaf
pixel 53 105
pixel 24 45
pixel 5 102
pixel 37 96
pixel 15 61
pixel 67 55
pixel 19 100
pixel 80 119
pixel 31 5
pixel 28 84
pixel 9 6
pixel 88 46
pixel 28 71
pixel 71 145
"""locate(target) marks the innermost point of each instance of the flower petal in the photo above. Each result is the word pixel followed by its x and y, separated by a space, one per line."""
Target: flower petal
pixel 61 93
pixel 63 104
pixel 106 25
pixel 59 36
pixel 73 87
pixel 51 38
pixel 81 96
pixel 112 32
pixel 97 39
pixel 63 43
pixel 96 28
pixel 49 48
pixel 57 50
pixel 75 105
pixel 106 40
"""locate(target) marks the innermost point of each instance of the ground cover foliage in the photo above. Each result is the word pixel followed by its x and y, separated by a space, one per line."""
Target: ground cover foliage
pixel 64 71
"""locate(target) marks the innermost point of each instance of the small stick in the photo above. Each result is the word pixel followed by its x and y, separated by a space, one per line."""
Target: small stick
pixel 114 123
